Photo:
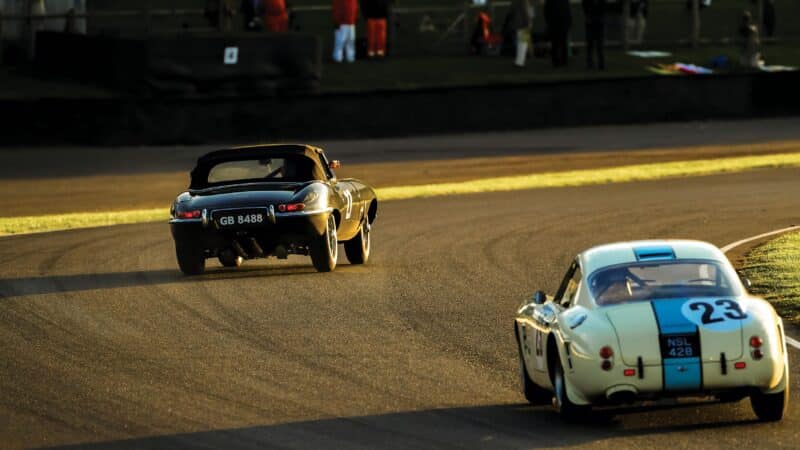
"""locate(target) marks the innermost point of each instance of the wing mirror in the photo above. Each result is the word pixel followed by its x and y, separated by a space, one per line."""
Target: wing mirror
pixel 335 164
pixel 745 281
pixel 539 298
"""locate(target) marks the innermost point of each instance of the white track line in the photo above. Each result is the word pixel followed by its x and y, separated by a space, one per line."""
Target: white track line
pixel 733 245
pixel 793 342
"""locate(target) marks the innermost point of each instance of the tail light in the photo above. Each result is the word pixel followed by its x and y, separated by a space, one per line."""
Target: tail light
pixel 755 347
pixel 189 214
pixel 606 353
pixel 291 207
pixel 740 365
pixel 629 372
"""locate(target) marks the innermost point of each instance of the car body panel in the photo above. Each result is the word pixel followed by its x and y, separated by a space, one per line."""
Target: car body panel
pixel 350 201
pixel 663 347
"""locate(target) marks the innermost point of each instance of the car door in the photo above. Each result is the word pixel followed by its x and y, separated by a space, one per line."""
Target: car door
pixel 545 321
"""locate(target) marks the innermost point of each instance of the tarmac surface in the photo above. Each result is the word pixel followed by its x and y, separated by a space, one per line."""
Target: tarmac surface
pixel 106 345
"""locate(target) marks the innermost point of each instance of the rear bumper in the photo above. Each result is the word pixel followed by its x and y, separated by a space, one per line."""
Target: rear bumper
pixel 589 384
pixel 287 228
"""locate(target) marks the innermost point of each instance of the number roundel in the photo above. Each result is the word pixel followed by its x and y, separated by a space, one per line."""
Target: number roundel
pixel 715 315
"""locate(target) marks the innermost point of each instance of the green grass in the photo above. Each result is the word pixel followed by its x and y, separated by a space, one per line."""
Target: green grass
pixel 37 224
pixel 774 269
pixel 622 174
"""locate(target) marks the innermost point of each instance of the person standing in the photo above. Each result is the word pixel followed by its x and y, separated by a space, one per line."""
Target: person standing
pixel 345 14
pixel 276 16
pixel 558 17
pixel 637 20
pixel 377 14
pixel 523 18
pixel 594 12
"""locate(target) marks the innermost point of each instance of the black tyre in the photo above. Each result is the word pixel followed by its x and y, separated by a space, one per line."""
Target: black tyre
pixel 191 260
pixel 324 249
pixel 569 411
pixel 532 392
pixel 771 407
pixel 230 259
pixel 357 249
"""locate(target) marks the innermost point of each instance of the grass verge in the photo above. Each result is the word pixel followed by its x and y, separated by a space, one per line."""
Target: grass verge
pixel 37 224
pixel 774 269
pixel 622 174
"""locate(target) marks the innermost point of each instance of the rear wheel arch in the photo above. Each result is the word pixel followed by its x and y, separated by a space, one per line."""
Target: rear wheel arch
pixel 372 212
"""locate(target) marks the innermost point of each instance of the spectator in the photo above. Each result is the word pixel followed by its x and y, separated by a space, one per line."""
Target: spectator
pixel 751 46
pixel 377 13
pixel 523 18
pixel 637 21
pixel 345 13
pixel 481 34
pixel 276 16
pixel 558 17
pixel 594 13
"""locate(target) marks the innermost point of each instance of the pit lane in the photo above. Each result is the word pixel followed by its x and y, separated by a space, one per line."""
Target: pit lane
pixel 104 343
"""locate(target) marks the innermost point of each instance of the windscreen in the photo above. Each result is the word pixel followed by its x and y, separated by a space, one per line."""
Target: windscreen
pixel 290 169
pixel 658 280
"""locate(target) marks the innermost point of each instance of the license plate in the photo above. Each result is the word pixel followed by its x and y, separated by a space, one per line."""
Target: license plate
pixel 680 346
pixel 240 218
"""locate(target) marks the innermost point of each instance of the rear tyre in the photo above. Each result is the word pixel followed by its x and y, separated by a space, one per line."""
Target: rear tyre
pixel 569 411
pixel 533 393
pixel 770 407
pixel 357 249
pixel 191 260
pixel 324 249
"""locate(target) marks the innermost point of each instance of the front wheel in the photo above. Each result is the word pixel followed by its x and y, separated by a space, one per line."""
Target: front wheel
pixel 533 393
pixel 324 249
pixel 357 249
pixel 191 260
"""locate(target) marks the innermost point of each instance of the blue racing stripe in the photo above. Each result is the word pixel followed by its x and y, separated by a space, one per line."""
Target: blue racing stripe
pixel 670 318
pixel 680 374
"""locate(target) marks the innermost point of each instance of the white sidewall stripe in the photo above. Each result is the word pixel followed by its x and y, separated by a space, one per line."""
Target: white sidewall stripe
pixel 793 342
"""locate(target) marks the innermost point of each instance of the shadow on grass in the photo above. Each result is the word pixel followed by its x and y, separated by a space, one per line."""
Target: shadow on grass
pixel 495 427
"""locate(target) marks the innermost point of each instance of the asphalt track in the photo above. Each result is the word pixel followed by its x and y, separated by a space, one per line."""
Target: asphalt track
pixel 104 343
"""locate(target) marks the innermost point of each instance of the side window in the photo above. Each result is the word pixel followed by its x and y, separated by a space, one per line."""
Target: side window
pixel 572 288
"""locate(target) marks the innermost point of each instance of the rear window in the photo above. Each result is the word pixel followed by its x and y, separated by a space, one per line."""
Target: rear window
pixel 657 280
pixel 288 168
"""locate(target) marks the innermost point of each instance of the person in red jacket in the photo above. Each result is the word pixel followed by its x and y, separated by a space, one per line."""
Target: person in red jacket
pixel 276 17
pixel 345 13
pixel 377 13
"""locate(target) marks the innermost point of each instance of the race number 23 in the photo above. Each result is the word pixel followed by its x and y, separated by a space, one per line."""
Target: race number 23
pixel 719 311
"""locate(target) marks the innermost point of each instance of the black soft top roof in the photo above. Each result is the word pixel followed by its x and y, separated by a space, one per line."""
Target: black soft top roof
pixel 199 174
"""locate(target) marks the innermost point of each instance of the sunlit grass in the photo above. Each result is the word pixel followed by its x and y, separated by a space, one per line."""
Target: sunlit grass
pixel 622 174
pixel 36 224
pixel 639 172
pixel 774 269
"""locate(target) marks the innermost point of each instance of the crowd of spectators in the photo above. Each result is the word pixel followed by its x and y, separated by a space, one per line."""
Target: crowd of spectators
pixel 518 32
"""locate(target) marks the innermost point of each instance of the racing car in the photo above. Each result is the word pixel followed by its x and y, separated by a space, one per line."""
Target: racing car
pixel 648 321
pixel 271 200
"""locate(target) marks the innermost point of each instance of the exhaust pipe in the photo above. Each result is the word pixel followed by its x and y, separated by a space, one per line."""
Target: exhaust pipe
pixel 622 395
pixel 239 249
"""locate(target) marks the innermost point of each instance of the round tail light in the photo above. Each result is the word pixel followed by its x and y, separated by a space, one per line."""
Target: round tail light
pixel 606 352
pixel 756 342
